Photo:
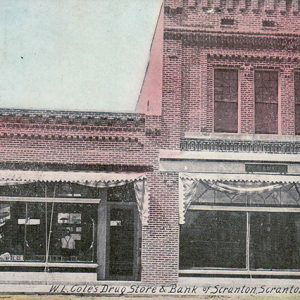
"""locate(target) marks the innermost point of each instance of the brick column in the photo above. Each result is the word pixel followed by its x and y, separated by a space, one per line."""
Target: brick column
pixel 286 115
pixel 160 251
pixel 171 97
pixel 206 96
pixel 247 100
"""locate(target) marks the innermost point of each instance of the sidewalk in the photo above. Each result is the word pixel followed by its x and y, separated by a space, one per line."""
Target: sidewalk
pixel 36 297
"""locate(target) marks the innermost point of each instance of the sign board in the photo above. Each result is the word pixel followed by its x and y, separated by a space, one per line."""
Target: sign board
pixel 266 168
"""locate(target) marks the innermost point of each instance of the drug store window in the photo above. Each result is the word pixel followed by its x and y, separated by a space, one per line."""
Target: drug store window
pixel 236 226
pixel 79 221
pixel 35 230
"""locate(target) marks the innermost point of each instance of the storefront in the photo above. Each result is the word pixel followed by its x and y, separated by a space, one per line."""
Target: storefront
pixel 72 221
pixel 239 224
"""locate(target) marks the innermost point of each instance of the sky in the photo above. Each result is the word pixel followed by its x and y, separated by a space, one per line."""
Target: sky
pixel 87 55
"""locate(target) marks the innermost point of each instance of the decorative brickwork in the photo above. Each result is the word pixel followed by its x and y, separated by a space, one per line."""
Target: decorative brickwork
pixel 240 146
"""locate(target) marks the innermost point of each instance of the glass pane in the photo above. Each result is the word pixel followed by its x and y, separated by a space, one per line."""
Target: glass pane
pixel 40 189
pixel 73 190
pixel 24 190
pixel 73 235
pixel 226 117
pixel 213 239
pixel 207 197
pixel 25 232
pixel 11 233
pixel 266 118
pixel 33 226
pixel 226 98
pixel 297 88
pixel 22 235
pixel 275 241
pixel 266 86
pixel 290 195
pixel 123 193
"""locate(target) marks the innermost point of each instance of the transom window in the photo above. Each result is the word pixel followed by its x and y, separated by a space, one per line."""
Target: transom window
pixel 266 102
pixel 226 100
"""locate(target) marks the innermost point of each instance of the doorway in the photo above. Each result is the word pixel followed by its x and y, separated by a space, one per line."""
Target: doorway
pixel 123 244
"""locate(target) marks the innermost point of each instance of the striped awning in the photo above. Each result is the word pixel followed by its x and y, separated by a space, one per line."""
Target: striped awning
pixel 221 177
pixel 10 177
pixel 92 179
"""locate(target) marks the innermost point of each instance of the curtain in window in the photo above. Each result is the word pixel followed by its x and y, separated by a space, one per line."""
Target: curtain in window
pixel 243 187
pixel 236 193
pixel 91 179
pixel 142 198
pixel 141 194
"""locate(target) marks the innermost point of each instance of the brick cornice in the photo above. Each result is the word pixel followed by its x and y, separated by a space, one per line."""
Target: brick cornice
pixel 233 40
pixel 254 58
pixel 39 166
pixel 76 118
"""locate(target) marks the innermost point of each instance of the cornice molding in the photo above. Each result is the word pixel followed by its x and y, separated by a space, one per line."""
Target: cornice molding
pixel 131 141
pixel 251 58
pixel 40 166
pixel 234 40
pixel 238 146
pixel 77 118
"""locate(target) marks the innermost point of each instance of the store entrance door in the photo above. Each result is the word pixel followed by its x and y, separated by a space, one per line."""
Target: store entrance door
pixel 122 244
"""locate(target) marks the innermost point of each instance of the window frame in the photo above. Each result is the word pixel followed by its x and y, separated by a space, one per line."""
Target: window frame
pixel 229 68
pixel 247 270
pixel 277 71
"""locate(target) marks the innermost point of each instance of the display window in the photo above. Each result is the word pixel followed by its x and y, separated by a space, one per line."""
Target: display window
pixel 48 232
pixel 63 226
pixel 213 239
pixel 240 240
pixel 240 226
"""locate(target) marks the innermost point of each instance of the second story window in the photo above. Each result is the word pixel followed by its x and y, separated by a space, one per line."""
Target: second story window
pixel 226 100
pixel 297 102
pixel 266 102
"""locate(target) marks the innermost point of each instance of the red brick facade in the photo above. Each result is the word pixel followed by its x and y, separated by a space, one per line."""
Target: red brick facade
pixel 198 37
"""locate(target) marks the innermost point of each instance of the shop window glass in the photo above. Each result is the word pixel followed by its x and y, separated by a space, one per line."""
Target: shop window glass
pixel 50 189
pixel 123 193
pixel 297 103
pixel 268 195
pixel 266 102
pixel 213 239
pixel 218 239
pixel 24 190
pixel 226 100
pixel 56 232
pixel 275 241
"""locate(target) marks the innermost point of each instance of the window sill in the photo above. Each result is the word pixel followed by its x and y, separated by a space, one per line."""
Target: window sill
pixel 239 272
pixel 48 265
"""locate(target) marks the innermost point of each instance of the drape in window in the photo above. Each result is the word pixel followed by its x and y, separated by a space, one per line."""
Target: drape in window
pixel 142 198
pixel 91 179
pixel 195 190
pixel 141 194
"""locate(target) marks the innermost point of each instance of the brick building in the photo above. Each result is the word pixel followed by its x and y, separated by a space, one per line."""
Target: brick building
pixel 201 180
